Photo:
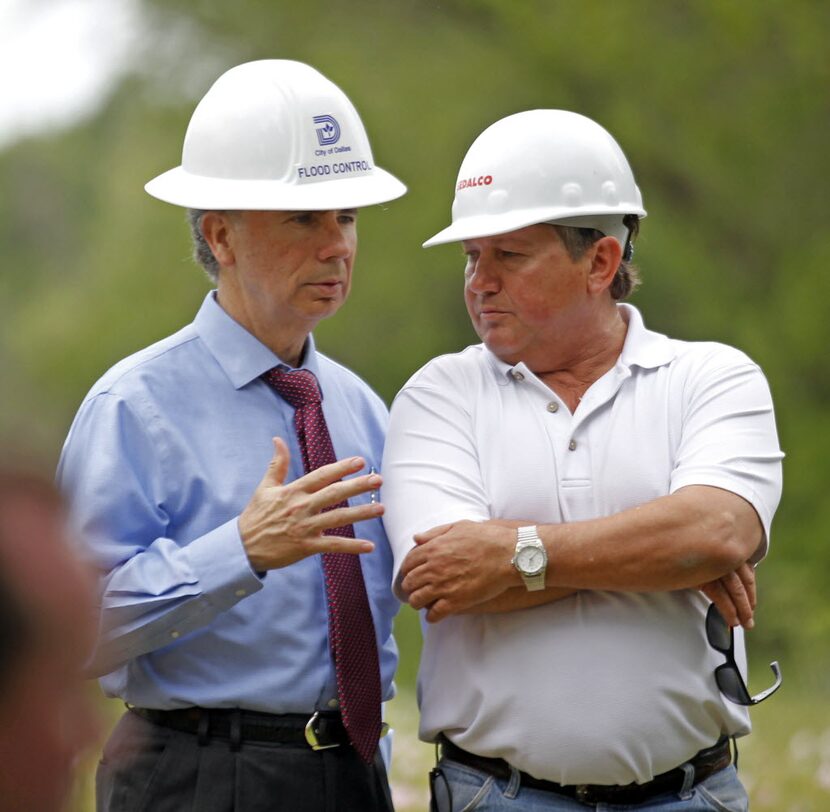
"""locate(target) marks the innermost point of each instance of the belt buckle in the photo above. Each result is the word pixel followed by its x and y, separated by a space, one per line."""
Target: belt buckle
pixel 311 734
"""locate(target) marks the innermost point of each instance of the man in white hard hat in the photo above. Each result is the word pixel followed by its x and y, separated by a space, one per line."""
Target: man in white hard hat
pixel 223 480
pixel 557 495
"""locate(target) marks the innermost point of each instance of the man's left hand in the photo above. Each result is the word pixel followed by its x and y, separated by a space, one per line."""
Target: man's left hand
pixel 734 595
pixel 457 566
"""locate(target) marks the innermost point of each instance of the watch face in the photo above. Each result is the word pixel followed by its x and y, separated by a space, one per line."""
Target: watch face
pixel 530 560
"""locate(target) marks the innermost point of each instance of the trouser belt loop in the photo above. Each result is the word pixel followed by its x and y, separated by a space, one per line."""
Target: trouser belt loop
pixel 235 730
pixel 514 784
pixel 688 781
pixel 203 730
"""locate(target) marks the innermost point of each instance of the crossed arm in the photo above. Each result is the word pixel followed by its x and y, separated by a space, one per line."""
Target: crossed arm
pixel 699 537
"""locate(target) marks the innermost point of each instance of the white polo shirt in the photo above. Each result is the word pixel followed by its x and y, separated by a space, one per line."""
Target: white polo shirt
pixel 601 687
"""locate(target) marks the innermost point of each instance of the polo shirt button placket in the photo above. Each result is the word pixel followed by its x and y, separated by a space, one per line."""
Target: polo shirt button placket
pixel 553 407
pixel 572 445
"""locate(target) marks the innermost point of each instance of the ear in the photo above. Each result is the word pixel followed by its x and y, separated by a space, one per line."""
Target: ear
pixel 218 228
pixel 607 255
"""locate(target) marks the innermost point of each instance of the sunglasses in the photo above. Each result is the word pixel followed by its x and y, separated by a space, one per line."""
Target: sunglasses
pixel 730 682
pixel 440 794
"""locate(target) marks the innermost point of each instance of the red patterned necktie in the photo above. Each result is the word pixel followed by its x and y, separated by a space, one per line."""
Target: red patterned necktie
pixel 351 630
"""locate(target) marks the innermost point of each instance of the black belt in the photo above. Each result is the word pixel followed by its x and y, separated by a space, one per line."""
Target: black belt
pixel 320 731
pixel 705 763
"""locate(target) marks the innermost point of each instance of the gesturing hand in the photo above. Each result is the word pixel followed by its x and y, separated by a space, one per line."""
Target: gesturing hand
pixel 284 523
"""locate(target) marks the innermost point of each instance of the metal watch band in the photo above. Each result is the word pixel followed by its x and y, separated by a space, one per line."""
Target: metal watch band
pixel 529 537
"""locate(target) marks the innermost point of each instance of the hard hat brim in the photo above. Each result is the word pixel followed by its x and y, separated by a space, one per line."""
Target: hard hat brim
pixel 182 188
pixel 491 225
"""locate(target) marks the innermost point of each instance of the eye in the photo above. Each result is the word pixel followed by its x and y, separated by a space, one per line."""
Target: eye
pixel 347 217
pixel 303 218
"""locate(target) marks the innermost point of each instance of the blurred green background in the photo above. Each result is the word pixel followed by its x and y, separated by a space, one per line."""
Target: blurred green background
pixel 723 108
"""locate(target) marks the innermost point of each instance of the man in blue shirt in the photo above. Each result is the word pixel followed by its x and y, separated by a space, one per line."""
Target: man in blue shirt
pixel 215 616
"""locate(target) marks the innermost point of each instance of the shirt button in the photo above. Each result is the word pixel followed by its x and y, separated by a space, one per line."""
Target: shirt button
pixel 517 376
pixel 174 635
pixel 553 406
pixel 572 445
pixel 333 703
pixel 240 593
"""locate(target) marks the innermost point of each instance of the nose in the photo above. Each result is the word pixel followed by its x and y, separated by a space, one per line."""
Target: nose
pixel 481 275
pixel 337 239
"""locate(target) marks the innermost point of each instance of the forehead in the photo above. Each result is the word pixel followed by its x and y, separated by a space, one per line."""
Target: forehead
pixel 540 235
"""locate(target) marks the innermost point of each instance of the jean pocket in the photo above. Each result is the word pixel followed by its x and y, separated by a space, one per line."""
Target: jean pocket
pixel 724 792
pixel 467 788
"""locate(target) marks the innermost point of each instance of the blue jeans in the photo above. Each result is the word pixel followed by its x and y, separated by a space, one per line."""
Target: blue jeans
pixel 475 791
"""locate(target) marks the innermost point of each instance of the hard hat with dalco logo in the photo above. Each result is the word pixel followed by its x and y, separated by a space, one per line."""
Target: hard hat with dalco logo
pixel 542 166
pixel 275 135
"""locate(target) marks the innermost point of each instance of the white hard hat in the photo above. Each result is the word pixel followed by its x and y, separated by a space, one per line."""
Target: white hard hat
pixel 275 135
pixel 542 166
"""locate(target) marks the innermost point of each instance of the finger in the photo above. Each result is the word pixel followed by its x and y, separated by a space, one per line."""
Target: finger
pixel 344 489
pixel 740 600
pixel 432 533
pixel 438 611
pixel 729 595
pixel 419 572
pixel 421 597
pixel 340 517
pixel 716 592
pixel 326 474
pixel 414 558
pixel 342 544
pixel 277 468
pixel 746 572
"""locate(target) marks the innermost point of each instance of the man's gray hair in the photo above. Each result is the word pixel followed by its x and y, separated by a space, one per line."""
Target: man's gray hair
pixel 578 240
pixel 201 250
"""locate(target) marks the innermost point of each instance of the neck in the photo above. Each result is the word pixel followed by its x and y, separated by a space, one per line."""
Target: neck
pixel 285 341
pixel 596 353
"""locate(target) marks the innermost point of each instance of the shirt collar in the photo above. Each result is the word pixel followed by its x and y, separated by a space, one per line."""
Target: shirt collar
pixel 642 348
pixel 242 356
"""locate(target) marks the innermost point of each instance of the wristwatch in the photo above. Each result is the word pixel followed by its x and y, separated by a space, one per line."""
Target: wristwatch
pixel 530 558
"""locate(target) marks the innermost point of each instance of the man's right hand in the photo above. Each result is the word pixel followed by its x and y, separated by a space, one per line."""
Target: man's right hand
pixel 285 523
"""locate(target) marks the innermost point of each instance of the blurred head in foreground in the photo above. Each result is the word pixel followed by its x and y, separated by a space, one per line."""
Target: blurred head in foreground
pixel 45 637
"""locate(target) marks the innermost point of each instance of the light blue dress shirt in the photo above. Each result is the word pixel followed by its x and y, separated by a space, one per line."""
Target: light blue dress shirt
pixel 165 452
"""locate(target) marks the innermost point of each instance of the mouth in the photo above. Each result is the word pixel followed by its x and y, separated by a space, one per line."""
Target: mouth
pixel 328 286
pixel 491 313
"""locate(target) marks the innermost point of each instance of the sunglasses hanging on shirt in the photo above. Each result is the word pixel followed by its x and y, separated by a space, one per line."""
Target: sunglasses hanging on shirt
pixel 730 682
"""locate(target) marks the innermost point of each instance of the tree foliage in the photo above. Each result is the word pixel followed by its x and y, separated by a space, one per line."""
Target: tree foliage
pixel 720 105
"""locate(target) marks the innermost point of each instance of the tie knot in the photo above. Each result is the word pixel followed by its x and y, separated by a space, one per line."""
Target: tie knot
pixel 298 387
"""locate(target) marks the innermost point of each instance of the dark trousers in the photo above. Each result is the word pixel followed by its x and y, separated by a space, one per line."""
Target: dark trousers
pixel 149 768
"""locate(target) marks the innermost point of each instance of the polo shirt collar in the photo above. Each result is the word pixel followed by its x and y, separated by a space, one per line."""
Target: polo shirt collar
pixel 642 348
pixel 242 356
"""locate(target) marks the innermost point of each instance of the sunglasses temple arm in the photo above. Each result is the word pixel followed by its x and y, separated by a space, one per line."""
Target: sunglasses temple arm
pixel 772 689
